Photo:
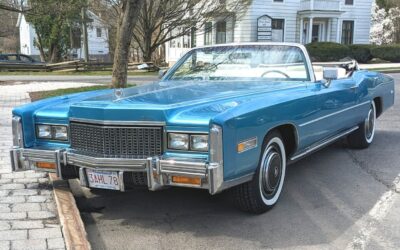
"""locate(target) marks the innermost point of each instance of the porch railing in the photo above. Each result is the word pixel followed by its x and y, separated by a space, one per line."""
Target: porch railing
pixel 327 5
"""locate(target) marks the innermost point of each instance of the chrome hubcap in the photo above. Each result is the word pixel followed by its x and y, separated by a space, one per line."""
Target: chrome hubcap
pixel 370 124
pixel 271 172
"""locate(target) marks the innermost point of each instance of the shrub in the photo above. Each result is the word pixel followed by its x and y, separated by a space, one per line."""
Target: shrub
pixel 361 52
pixel 327 51
pixel 389 53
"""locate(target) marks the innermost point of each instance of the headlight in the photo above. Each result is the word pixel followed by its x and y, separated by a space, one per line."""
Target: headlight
pixel 44 131
pixel 60 133
pixel 52 132
pixel 199 142
pixel 193 142
pixel 178 141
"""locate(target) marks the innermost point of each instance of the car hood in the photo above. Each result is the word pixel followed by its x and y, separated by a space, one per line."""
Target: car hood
pixel 170 102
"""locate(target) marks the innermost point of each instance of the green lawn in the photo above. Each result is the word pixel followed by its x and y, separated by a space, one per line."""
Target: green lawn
pixel 58 92
pixel 85 73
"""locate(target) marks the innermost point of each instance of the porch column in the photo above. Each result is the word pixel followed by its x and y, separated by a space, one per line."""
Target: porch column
pixel 338 30
pixel 310 25
pixel 328 32
pixel 301 29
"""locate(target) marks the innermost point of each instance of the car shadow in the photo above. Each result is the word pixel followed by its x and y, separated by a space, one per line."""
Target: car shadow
pixel 324 196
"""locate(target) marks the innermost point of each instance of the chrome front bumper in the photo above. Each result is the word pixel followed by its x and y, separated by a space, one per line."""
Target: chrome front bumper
pixel 159 171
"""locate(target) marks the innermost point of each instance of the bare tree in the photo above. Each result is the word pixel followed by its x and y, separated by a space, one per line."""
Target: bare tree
pixel 163 20
pixel 128 16
pixel 9 10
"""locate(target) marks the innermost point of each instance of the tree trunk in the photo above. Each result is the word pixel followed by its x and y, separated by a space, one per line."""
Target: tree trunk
pixel 127 20
pixel 40 47
pixel 147 50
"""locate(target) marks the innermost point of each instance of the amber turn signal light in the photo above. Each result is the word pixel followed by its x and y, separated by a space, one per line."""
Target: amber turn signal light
pixel 186 180
pixel 47 165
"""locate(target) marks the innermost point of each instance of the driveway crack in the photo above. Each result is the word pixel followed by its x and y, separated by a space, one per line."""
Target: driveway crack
pixel 363 166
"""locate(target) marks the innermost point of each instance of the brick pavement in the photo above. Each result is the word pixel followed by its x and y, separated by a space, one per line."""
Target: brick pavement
pixel 28 218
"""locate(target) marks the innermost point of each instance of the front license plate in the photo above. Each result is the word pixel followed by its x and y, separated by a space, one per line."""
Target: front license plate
pixel 103 179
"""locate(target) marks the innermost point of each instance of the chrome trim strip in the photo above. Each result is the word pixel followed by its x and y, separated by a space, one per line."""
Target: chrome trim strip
pixel 107 163
pixel 82 177
pixel 39 155
pixel 183 167
pixel 57 157
pixel 109 122
pixel 215 170
pixel 121 181
pixel 15 159
pixel 17 132
pixel 323 143
pixel 335 113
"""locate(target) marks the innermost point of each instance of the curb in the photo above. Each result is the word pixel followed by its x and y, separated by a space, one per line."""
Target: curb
pixel 71 223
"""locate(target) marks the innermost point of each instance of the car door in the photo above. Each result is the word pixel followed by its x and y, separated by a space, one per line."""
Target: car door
pixel 333 110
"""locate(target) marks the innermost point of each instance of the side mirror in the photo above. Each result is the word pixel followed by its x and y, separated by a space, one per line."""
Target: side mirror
pixel 330 74
pixel 162 72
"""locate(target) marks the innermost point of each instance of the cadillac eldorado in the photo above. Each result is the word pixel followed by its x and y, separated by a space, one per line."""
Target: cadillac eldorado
pixel 223 117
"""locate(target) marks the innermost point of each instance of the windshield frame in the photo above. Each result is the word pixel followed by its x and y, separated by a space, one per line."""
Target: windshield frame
pixel 307 61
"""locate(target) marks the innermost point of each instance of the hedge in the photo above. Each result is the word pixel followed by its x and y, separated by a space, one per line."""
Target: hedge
pixel 327 51
pixel 361 52
pixel 389 53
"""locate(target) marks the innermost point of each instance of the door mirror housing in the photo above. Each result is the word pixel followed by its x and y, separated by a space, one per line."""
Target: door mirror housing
pixel 162 72
pixel 330 74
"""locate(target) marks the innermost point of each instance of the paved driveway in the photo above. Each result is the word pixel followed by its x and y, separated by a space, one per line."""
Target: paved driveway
pixel 335 199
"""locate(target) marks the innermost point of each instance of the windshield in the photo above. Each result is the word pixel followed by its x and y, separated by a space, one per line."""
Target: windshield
pixel 250 62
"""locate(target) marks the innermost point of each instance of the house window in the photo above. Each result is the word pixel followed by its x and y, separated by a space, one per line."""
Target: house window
pixel 278 27
pixel 347 32
pixel 98 32
pixel 221 32
pixel 193 37
pixel 208 33
pixel 348 2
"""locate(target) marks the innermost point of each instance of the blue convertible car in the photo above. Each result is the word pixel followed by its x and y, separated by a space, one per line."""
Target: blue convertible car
pixel 224 117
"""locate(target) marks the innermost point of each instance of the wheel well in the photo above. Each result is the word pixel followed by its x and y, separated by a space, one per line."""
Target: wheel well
pixel 289 136
pixel 378 105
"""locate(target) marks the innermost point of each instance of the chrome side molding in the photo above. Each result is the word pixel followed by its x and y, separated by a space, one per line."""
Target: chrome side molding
pixel 323 143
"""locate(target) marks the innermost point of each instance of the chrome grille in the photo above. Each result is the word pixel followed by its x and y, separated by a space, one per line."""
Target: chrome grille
pixel 116 141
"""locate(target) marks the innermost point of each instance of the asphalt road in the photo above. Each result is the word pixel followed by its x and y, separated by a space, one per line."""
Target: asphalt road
pixel 73 78
pixel 336 198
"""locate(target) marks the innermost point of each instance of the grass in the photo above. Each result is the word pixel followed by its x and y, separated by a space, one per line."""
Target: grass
pixel 83 73
pixel 38 95
pixel 59 92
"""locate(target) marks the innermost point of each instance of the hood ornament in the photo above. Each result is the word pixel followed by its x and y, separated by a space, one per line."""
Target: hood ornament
pixel 118 93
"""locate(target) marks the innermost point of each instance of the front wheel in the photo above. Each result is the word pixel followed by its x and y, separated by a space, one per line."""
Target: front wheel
pixel 364 135
pixel 262 193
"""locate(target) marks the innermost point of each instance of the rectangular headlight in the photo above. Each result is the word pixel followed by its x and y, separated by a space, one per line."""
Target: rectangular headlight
pixel 44 131
pixel 178 141
pixel 199 142
pixel 60 133
pixel 52 132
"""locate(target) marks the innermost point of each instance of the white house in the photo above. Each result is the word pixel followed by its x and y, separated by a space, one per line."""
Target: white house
pixel 301 21
pixel 97 39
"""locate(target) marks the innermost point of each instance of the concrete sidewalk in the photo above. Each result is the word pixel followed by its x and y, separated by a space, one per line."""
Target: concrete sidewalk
pixel 28 218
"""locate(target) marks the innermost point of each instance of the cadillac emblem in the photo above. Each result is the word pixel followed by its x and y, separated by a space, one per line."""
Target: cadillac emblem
pixel 118 93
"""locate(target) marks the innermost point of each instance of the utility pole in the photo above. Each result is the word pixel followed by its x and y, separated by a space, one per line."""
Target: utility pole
pixel 85 36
